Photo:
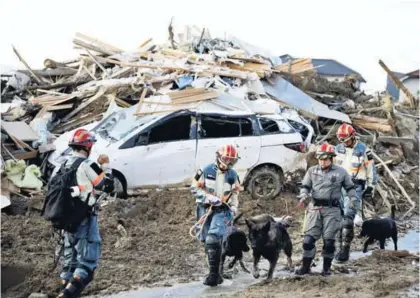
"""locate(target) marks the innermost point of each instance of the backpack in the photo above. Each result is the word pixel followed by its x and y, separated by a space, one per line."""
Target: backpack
pixel 60 208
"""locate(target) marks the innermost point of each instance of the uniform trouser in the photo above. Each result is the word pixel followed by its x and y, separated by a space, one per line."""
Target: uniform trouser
pixel 216 224
pixel 325 222
pixel 82 250
pixel 345 234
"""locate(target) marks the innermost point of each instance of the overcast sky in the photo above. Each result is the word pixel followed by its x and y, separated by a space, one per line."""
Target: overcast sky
pixel 356 33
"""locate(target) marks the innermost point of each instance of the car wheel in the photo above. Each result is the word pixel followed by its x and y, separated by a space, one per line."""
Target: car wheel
pixel 120 189
pixel 265 183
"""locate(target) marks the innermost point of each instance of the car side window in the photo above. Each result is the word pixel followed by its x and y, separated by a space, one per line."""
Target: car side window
pixel 174 129
pixel 269 126
pixel 215 126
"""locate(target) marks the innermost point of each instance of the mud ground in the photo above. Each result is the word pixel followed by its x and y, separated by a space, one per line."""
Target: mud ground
pixel 158 251
pixel 376 277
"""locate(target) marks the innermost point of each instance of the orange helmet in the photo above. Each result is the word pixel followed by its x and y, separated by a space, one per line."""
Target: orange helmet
pixel 345 132
pixel 325 151
pixel 226 156
pixel 82 138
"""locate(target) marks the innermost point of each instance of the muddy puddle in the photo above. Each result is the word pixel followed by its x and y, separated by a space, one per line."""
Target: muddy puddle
pixel 242 280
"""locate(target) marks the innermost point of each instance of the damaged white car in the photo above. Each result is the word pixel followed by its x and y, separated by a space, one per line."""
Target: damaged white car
pixel 166 149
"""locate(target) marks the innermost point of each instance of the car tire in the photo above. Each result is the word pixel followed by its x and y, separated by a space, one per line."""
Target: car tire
pixel 120 186
pixel 265 183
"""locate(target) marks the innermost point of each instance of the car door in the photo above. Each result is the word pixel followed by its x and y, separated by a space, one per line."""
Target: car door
pixel 162 154
pixel 216 130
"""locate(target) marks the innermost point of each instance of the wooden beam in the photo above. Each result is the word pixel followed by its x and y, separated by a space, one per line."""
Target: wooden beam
pixel 399 84
pixel 98 42
pixel 143 95
pixel 60 107
pixel 38 80
pixel 98 95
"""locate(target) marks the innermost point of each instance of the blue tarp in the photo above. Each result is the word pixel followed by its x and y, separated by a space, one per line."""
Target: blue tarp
pixel 287 93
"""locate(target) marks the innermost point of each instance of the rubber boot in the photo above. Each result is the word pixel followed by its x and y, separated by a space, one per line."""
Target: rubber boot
pixel 305 268
pixel 214 255
pixel 343 255
pixel 327 267
pixel 75 287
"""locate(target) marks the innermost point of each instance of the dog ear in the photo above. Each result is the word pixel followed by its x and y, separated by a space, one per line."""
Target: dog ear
pixel 250 224
pixel 266 227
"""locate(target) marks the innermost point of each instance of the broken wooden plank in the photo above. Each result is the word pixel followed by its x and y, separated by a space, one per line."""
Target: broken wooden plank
pixel 59 107
pixel 27 155
pixel 51 72
pixel 196 97
pixel 145 42
pixel 98 42
pixel 186 92
pixel 96 61
pixel 142 96
pixel 402 189
pixel 93 47
pixel 98 95
pixel 38 80
pixel 372 126
pixel 20 130
pixel 397 82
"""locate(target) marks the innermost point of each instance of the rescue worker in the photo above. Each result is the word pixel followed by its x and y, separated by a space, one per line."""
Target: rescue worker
pixel 325 180
pixel 216 187
pixel 356 158
pixel 82 249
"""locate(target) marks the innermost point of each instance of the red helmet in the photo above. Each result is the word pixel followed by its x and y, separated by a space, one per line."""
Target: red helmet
pixel 325 151
pixel 227 156
pixel 345 132
pixel 83 138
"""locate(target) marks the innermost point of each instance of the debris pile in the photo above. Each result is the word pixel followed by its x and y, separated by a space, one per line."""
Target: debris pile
pixel 188 70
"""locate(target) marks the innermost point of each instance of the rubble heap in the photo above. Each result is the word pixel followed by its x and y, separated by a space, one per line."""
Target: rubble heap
pixel 191 68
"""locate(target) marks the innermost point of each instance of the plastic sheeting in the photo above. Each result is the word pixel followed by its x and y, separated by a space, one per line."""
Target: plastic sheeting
pixel 293 96
pixel 23 176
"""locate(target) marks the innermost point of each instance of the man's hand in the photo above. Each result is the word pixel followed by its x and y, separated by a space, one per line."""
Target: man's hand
pixel 303 198
pixel 352 203
pixel 213 200
pixel 103 159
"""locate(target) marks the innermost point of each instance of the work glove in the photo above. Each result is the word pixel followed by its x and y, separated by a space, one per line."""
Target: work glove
pixel 368 193
pixel 302 200
pixel 213 200
pixel 234 210
pixel 352 203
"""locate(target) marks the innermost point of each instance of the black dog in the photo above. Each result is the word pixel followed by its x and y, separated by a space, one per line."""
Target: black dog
pixel 380 229
pixel 268 238
pixel 234 244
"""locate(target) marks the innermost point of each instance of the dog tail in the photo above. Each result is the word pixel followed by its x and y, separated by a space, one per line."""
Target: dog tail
pixel 237 217
pixel 393 212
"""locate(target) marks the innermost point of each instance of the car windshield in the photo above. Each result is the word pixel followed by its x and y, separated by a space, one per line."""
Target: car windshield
pixel 120 124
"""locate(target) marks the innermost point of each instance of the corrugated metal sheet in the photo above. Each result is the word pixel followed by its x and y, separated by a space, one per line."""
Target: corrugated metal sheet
pixel 285 92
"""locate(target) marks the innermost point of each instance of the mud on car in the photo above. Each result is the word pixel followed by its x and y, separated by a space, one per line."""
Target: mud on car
pixel 166 149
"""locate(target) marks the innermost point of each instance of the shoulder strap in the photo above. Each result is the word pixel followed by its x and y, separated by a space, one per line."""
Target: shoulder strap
pixel 77 163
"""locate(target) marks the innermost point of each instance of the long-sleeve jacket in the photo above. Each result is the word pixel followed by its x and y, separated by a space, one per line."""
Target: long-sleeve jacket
pixel 358 162
pixel 211 180
pixel 327 184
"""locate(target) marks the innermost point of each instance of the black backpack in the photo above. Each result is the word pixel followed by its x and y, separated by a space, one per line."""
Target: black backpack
pixel 64 211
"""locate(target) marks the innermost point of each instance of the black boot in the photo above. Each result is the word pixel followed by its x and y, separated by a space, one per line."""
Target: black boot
pixel 305 268
pixel 75 287
pixel 214 255
pixel 327 266
pixel 343 254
